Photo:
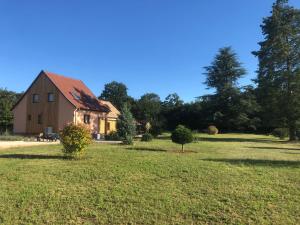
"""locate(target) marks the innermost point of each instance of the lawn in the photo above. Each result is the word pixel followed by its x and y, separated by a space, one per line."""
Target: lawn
pixel 223 179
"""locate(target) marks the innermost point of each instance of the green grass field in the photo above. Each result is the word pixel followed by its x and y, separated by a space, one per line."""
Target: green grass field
pixel 223 179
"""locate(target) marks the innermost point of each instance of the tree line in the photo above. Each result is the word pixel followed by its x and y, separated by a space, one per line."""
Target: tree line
pixel 272 101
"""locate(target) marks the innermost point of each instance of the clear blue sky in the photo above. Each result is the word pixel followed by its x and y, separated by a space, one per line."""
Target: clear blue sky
pixel 156 46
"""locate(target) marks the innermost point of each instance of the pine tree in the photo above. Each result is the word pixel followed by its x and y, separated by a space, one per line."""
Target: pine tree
pixel 279 68
pixel 223 75
pixel 224 71
pixel 126 126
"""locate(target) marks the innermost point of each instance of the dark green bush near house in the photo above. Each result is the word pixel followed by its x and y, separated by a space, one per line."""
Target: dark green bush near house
pixel 182 135
pixel 212 130
pixel 147 137
pixel 281 133
pixel 75 139
pixel 113 136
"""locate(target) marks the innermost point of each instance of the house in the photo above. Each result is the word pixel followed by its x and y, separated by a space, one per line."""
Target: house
pixel 52 101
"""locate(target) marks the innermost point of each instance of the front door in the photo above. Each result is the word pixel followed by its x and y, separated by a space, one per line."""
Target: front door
pixel 101 126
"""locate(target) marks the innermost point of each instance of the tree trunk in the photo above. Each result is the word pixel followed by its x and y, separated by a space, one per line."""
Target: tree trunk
pixel 182 148
pixel 290 107
pixel 292 133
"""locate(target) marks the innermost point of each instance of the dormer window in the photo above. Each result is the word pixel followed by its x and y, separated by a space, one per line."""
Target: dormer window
pixel 50 97
pixel 35 98
pixel 76 95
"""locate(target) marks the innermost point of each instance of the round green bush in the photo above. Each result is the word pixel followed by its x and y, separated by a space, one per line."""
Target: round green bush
pixel 147 137
pixel 182 135
pixel 75 139
pixel 281 133
pixel 212 130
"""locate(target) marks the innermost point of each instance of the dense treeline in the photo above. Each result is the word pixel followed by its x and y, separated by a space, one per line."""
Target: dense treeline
pixel 273 101
pixel 7 101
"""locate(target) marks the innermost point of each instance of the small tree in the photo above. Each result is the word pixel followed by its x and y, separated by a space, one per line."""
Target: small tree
pixel 148 127
pixel 182 135
pixel 75 139
pixel 147 137
pixel 126 126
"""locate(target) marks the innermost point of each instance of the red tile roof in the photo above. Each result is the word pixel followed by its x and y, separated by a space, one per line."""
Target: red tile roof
pixel 77 92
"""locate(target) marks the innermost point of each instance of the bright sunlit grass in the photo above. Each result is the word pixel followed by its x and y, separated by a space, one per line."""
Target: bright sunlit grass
pixel 223 179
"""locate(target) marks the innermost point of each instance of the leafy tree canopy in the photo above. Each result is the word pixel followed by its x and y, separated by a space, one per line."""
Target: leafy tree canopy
pixel 116 93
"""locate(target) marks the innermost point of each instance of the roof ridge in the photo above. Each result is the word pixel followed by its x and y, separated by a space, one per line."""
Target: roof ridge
pixel 60 75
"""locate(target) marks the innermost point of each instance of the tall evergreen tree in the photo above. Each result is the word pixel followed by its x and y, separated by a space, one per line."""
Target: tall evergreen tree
pixel 126 127
pixel 279 68
pixel 224 71
pixel 223 75
pixel 171 101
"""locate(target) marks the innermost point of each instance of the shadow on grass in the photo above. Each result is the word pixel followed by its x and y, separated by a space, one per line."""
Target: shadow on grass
pixel 163 137
pixel 292 153
pixel 160 150
pixel 256 140
pixel 258 162
pixel 29 156
pixel 147 149
pixel 276 148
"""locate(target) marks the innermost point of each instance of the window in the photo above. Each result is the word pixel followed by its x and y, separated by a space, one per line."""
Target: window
pixel 76 95
pixel 29 117
pixel 50 97
pixel 40 119
pixel 35 98
pixel 108 126
pixel 86 119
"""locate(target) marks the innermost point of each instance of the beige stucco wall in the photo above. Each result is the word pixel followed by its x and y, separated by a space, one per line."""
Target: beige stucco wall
pixel 20 116
pixel 94 121
pixel 65 112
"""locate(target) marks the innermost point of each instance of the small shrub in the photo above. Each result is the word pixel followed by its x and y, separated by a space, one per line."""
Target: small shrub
pixel 127 140
pixel 182 135
pixel 75 139
pixel 281 133
pixel 148 127
pixel 147 137
pixel 112 136
pixel 212 130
